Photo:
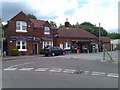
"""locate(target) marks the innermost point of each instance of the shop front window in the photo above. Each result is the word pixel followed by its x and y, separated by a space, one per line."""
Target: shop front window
pixel 66 45
pixel 21 45
pixel 47 43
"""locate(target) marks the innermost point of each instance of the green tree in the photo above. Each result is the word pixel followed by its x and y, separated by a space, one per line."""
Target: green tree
pixel 90 28
pixel 1 28
pixel 93 29
pixel 77 25
pixel 31 16
pixel 60 26
pixel 114 35
pixel 53 23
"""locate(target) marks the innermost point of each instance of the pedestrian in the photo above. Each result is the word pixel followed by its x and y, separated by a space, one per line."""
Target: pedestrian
pixel 78 49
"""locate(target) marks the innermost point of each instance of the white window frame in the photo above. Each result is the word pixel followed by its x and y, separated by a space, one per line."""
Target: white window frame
pixel 47 43
pixel 66 45
pixel 21 45
pixel 46 30
pixel 21 25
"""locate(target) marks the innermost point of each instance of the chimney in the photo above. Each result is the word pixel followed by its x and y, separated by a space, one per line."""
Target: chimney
pixel 67 23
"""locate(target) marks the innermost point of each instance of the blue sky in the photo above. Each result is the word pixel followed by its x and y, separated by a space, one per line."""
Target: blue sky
pixel 94 11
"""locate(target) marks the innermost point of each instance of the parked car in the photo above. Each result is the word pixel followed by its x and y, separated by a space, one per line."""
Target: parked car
pixel 52 51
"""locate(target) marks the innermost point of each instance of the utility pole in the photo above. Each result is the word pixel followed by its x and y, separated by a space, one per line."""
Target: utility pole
pixel 99 39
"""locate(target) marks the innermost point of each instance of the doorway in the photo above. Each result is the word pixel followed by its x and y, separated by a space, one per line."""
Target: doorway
pixel 35 48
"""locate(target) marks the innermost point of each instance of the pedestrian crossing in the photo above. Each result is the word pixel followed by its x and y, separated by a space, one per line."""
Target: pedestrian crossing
pixel 60 70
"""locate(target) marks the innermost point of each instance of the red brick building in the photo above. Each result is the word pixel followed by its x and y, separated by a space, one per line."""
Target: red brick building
pixel 106 41
pixel 29 36
pixel 70 38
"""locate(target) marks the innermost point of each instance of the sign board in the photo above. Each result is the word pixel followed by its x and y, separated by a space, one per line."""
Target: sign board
pixel 14 38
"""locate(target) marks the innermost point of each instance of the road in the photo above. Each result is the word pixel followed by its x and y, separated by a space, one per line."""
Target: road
pixel 68 71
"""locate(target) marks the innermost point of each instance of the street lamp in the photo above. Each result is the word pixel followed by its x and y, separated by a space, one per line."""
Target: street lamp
pixel 99 39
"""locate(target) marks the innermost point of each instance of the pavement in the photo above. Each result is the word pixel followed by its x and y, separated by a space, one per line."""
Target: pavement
pixel 19 57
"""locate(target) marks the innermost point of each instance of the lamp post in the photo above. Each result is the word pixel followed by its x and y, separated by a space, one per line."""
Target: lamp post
pixel 99 39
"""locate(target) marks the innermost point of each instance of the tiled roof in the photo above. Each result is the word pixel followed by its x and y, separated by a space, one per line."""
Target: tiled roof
pixel 38 23
pixel 105 39
pixel 74 33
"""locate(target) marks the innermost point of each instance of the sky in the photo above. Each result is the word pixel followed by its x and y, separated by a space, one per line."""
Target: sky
pixel 104 12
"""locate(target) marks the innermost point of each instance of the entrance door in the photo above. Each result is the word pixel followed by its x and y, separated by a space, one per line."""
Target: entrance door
pixel 35 48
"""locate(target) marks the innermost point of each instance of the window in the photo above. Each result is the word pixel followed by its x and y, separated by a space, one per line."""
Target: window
pixel 21 45
pixel 46 30
pixel 66 45
pixel 47 43
pixel 21 26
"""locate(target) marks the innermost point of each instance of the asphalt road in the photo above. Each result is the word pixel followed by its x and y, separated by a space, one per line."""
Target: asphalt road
pixel 68 71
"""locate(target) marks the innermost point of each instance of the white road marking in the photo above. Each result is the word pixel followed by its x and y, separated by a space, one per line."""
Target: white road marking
pixel 20 64
pixel 10 69
pixel 98 73
pixel 55 70
pixel 113 75
pixel 116 62
pixel 25 69
pixel 69 71
pixel 41 69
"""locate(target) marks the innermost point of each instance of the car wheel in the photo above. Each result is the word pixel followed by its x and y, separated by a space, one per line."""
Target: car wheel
pixel 53 54
pixel 63 53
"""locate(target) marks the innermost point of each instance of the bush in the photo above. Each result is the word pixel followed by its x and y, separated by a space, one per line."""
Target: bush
pixel 15 52
pixel 42 51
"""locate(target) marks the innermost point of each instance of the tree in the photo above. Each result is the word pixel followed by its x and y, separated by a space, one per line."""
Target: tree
pixel 53 23
pixel 1 28
pixel 60 26
pixel 93 29
pixel 114 35
pixel 77 25
pixel 31 16
pixel 90 28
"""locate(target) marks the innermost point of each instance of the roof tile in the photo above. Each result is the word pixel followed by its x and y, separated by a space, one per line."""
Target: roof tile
pixel 74 33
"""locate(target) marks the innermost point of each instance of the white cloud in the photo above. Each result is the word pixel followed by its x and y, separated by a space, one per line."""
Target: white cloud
pixel 12 0
pixel 94 11
pixel 97 12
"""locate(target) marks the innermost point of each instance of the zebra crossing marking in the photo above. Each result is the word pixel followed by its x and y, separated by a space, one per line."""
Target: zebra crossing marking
pixel 25 69
pixel 112 75
pixel 55 70
pixel 41 69
pixel 69 71
pixel 10 69
pixel 98 73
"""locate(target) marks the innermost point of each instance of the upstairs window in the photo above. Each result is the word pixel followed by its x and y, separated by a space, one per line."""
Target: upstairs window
pixel 21 26
pixel 46 30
